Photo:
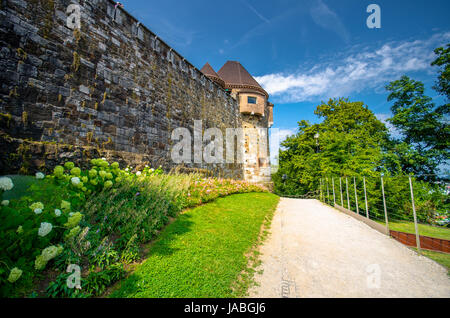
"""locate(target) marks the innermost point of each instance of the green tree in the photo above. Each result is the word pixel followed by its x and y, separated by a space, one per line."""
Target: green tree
pixel 443 61
pixel 424 141
pixel 351 141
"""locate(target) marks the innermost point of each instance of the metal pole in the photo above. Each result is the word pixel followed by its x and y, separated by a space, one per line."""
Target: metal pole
pixel 340 190
pixel 334 194
pixel 328 193
pixel 415 216
pixel 356 196
pixel 365 195
pixel 320 187
pixel 385 207
pixel 348 197
pixel 322 191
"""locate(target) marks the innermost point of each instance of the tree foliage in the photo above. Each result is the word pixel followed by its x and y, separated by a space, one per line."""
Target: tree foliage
pixel 423 144
pixel 425 135
pixel 351 141
pixel 443 61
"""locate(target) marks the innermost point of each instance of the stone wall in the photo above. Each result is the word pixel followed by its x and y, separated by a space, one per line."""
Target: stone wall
pixel 112 86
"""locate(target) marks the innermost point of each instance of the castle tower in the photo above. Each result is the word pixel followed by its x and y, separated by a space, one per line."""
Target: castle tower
pixel 257 117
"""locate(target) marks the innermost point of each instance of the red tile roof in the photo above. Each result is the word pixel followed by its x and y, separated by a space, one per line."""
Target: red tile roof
pixel 233 73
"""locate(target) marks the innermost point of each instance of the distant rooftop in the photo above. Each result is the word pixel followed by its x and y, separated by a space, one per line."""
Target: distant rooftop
pixel 209 72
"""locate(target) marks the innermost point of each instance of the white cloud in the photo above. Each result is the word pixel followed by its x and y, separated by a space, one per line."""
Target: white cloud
pixel 259 15
pixel 323 16
pixel 368 69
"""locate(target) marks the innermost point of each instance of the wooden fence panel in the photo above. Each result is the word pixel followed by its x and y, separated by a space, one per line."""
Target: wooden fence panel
pixel 427 243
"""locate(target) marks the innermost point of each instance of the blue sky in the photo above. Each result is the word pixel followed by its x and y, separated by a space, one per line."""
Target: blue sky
pixel 306 51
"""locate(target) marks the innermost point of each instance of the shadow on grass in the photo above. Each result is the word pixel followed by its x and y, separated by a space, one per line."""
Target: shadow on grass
pixel 179 227
pixel 161 247
pixel 203 252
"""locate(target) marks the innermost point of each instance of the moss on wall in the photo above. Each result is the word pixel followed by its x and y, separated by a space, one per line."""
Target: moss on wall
pixel 101 87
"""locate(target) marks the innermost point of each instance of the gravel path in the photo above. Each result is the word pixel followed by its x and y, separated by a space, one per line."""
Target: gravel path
pixel 317 251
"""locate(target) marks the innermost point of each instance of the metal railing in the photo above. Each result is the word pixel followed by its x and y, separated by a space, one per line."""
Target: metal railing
pixel 389 200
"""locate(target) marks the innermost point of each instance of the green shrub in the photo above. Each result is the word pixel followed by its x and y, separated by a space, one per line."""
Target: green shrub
pixel 59 288
pixel 97 282
pixel 95 218
pixel 138 207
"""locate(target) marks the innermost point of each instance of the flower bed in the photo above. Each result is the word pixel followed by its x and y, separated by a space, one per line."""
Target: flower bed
pixel 93 220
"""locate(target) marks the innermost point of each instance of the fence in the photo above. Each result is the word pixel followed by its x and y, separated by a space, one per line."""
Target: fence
pixel 413 212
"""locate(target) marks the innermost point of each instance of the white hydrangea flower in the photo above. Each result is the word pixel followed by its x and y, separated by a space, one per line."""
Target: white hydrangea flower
pixel 50 253
pixel 58 212
pixel 138 173
pixel 75 181
pixel 37 205
pixel 14 275
pixel 40 176
pixel 5 202
pixel 38 211
pixel 6 184
pixel 47 254
pixel 45 229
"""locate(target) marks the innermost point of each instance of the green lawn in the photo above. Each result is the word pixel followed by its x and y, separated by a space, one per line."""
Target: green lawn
pixel 441 258
pixel 424 230
pixel 204 252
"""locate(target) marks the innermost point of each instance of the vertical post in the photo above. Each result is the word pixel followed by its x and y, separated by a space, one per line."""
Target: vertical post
pixel 323 189
pixel 385 207
pixel 415 216
pixel 356 196
pixel 340 191
pixel 348 197
pixel 334 194
pixel 365 195
pixel 328 193
pixel 320 189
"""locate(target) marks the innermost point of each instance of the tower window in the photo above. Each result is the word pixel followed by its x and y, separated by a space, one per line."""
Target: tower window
pixel 251 100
